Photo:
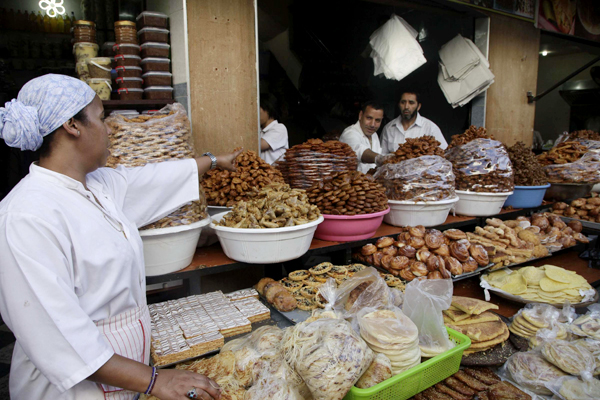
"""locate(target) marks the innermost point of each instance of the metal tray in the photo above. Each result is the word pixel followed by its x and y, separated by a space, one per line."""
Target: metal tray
pixel 568 191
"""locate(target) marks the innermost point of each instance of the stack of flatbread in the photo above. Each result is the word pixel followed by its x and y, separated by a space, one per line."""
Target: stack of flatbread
pixel 593 346
pixel 587 326
pixel 471 318
pixel 529 321
pixel 393 334
pixel 568 356
pixel 530 370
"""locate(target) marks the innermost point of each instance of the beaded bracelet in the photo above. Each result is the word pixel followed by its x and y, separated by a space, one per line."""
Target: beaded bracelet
pixel 152 381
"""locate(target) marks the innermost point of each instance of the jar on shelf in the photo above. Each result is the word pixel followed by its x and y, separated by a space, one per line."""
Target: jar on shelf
pixel 126 32
pixel 84 31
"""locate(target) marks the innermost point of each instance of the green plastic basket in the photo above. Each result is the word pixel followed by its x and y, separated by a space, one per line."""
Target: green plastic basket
pixel 419 378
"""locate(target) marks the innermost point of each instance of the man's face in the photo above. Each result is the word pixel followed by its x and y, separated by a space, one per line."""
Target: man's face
pixel 409 106
pixel 370 120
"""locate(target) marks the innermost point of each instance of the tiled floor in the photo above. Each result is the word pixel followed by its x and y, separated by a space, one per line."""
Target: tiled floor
pixel 7 342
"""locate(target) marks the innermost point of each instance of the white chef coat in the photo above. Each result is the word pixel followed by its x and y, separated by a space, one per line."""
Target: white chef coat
pixel 359 142
pixel 67 263
pixel 276 135
pixel 394 134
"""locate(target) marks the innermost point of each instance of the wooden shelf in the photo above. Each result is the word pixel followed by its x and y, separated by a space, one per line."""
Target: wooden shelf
pixel 138 105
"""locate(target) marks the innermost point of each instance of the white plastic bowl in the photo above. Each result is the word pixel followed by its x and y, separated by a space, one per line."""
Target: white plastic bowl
pixel 266 246
pixel 409 213
pixel 170 249
pixel 480 204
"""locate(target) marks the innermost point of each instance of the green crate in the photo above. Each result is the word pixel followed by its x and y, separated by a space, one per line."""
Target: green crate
pixel 419 378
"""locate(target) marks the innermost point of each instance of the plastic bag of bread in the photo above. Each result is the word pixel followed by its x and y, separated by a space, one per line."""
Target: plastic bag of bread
pixel 365 289
pixel 424 301
pixel 531 370
pixel 587 325
pixel 272 388
pixel 569 357
pixel 277 368
pixel 327 353
pixel 573 388
pixel 426 178
pixel 392 333
pixel 593 346
pixel 481 165
pixel 379 370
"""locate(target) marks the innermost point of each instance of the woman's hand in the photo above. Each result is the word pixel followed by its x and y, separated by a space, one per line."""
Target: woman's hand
pixel 174 384
pixel 226 161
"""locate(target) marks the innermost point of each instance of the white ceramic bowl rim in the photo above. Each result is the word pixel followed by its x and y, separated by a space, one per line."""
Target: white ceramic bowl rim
pixel 175 229
pixel 491 194
pixel 268 230
pixel 410 202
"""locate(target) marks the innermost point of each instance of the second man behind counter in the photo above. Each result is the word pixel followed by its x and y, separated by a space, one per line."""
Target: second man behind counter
pixel 273 135
pixel 362 136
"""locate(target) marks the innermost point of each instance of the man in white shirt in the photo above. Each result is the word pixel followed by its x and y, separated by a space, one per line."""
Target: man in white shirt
pixel 362 136
pixel 409 124
pixel 273 136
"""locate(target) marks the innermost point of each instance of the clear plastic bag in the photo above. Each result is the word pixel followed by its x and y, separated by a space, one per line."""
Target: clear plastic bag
pixel 569 357
pixel 159 137
pixel 311 162
pixel 392 333
pixel 426 178
pixel 584 170
pixel 272 388
pixel 379 370
pixel 424 301
pixel 481 165
pixel 587 325
pixel 573 388
pixel 327 353
pixel 365 289
pixel 531 370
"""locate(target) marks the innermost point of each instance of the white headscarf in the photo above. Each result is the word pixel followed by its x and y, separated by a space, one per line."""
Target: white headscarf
pixel 42 106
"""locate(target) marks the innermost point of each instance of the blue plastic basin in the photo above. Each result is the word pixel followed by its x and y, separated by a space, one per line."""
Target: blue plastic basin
pixel 526 196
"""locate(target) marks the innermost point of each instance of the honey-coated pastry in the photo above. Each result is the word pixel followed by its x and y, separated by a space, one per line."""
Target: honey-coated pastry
pixel 433 263
pixel 403 237
pixel 384 242
pixel 418 268
pixel 434 275
pixel 423 254
pixel 377 259
pixel 386 261
pixel 480 255
pixel 443 250
pixel 392 251
pixel 452 264
pixel 399 262
pixel 459 251
pixel 416 242
pixel 455 234
pixel 434 239
pixel 407 275
pixel 445 273
pixel 407 251
pixel 368 249
pixel 469 266
pixel 455 268
pixel 417 231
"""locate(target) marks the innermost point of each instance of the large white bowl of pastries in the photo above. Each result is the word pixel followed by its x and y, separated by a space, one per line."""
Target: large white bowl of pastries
pixel 171 249
pixel 265 246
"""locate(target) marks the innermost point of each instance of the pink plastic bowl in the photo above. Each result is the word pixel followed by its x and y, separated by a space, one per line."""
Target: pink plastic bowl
pixel 348 228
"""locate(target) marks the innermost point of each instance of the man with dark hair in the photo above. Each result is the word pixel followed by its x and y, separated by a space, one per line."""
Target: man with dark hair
pixel 409 124
pixel 273 134
pixel 362 136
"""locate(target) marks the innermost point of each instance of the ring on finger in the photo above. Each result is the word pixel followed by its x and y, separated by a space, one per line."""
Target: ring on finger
pixel 192 394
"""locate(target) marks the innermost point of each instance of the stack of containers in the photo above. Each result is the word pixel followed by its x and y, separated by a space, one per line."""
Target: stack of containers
pixel 154 39
pixel 127 59
pixel 89 67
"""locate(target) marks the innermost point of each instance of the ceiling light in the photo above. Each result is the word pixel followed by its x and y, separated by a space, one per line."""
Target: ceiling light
pixel 545 53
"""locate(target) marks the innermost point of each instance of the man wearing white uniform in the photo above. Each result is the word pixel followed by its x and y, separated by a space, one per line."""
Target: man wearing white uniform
pixel 362 136
pixel 409 124
pixel 273 136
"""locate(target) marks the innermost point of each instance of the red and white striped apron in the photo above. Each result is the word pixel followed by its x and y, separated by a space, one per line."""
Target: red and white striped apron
pixel 129 335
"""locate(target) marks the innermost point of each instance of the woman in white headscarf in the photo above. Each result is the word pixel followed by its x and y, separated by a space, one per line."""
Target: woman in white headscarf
pixel 72 280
